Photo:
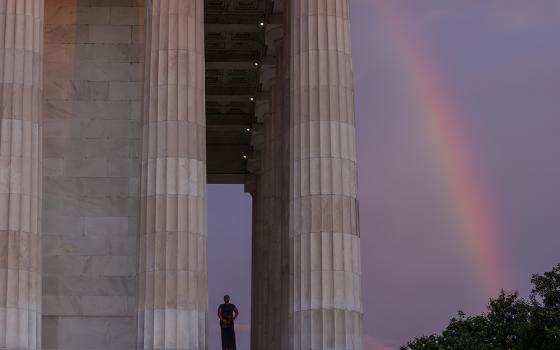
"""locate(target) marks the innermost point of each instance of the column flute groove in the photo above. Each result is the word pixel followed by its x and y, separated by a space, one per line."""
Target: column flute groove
pixel 21 84
pixel 172 265
pixel 325 291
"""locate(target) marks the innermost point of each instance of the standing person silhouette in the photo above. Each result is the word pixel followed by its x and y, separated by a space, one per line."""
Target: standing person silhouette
pixel 227 313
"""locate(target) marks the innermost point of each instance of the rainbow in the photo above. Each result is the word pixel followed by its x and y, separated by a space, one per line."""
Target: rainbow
pixel 440 119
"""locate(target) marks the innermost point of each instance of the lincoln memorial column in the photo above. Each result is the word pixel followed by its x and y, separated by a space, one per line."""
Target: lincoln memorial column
pixel 21 52
pixel 172 269
pixel 325 299
pixel 269 284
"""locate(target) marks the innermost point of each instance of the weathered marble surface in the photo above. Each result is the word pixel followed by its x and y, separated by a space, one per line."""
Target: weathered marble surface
pixel 270 211
pixel 21 53
pixel 92 146
pixel 172 269
pixel 325 294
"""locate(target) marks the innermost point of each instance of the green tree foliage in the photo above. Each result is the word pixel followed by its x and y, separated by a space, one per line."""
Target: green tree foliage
pixel 511 322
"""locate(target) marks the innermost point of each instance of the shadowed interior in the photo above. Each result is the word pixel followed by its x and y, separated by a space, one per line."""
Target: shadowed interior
pixel 234 44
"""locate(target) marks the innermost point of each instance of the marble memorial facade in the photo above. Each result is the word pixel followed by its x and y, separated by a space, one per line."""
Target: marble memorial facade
pixel 116 114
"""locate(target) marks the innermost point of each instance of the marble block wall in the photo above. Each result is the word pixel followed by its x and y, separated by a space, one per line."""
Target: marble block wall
pixel 91 170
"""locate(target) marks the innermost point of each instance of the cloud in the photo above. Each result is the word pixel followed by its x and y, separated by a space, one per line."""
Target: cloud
pixel 373 343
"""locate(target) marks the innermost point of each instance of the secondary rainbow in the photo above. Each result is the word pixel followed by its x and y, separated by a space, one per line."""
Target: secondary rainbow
pixel 440 120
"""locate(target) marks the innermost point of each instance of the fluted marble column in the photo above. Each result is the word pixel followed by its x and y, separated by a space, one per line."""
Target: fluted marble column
pixel 270 257
pixel 172 275
pixel 21 80
pixel 325 300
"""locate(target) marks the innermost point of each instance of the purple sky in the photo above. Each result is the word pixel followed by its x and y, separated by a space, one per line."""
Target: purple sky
pixel 501 62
